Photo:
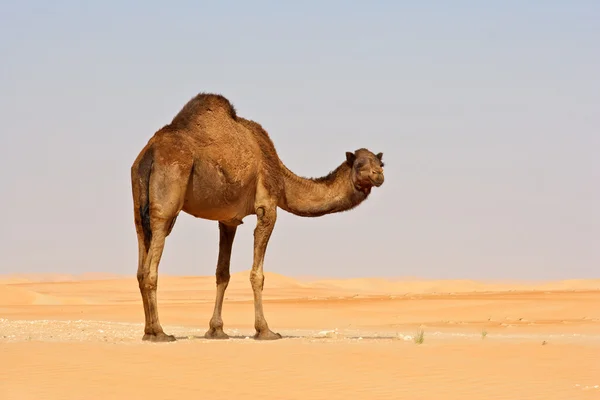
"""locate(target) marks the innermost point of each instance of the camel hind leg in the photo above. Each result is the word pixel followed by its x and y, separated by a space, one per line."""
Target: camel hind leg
pixel 167 188
pixel 140 179
pixel 153 330
pixel 142 255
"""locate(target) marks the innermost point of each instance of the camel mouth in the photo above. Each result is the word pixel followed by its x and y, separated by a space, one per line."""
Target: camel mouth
pixel 377 182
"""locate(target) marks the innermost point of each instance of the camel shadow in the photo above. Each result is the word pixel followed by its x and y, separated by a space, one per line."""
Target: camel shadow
pixel 249 337
pixel 234 337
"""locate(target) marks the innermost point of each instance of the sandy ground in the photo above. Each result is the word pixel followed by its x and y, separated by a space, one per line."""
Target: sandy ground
pixel 64 337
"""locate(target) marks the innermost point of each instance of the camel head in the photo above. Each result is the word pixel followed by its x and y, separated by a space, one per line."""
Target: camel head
pixel 367 169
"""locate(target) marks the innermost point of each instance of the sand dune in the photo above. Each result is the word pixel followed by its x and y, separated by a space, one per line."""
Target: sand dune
pixel 73 337
pixel 53 277
pixel 275 280
pixel 382 286
pixel 15 296
pixel 374 286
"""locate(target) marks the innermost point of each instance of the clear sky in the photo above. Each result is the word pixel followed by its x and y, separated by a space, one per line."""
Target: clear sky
pixel 488 115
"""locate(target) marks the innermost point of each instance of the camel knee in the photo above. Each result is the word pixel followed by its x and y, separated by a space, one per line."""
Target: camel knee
pixel 147 282
pixel 257 280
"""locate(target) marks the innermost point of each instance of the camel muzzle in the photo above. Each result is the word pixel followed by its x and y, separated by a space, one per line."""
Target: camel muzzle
pixel 378 180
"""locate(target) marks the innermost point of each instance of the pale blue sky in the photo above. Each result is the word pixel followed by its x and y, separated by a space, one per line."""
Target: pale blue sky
pixel 488 114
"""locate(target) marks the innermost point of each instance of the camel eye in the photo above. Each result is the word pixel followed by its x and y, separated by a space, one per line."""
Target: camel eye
pixel 382 164
pixel 360 164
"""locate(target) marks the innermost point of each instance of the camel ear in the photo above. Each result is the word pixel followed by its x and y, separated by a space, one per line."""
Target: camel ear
pixel 350 157
pixel 379 155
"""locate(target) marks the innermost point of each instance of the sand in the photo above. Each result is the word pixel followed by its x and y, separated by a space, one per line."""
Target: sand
pixel 79 337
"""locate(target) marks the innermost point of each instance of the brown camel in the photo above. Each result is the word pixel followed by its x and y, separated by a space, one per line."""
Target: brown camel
pixel 213 164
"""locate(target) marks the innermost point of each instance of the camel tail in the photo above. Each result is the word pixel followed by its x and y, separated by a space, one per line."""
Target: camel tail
pixel 143 178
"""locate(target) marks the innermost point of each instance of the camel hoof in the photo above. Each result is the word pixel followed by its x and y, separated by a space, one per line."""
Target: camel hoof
pixel 268 335
pixel 216 333
pixel 158 337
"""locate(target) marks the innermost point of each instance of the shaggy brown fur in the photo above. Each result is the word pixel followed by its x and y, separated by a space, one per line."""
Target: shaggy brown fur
pixel 215 165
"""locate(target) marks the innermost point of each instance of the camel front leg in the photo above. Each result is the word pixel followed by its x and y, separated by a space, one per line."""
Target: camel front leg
pixel 266 217
pixel 226 236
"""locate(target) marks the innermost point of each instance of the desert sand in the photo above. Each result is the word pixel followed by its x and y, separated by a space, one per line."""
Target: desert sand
pixel 79 337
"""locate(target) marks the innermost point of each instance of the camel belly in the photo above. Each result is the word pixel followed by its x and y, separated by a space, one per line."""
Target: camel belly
pixel 217 193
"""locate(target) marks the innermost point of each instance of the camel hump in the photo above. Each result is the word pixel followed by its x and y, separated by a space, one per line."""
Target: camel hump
pixel 201 104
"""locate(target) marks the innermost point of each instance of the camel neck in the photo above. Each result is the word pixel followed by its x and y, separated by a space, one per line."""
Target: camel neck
pixel 314 197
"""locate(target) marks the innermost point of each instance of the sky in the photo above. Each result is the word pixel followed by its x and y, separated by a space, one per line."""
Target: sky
pixel 488 115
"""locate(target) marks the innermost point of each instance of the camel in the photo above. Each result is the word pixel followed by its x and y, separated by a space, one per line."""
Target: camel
pixel 213 164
